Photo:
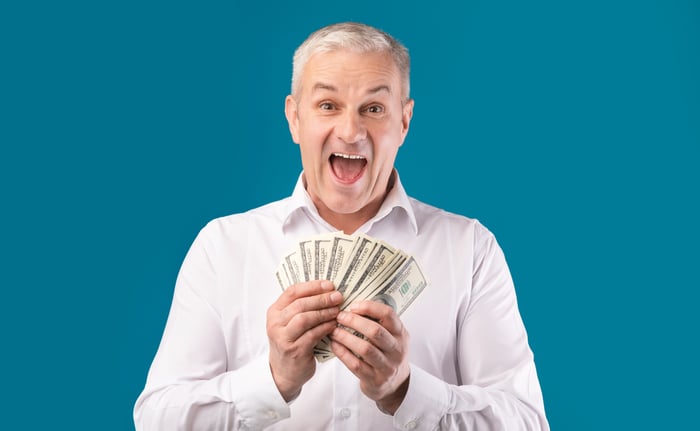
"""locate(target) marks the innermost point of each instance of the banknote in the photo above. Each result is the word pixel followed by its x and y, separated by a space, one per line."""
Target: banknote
pixel 360 267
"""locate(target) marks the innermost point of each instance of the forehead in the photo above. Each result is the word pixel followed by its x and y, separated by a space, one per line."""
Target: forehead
pixel 347 70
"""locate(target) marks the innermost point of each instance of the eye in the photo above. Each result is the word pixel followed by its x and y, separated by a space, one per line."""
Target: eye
pixel 375 109
pixel 326 106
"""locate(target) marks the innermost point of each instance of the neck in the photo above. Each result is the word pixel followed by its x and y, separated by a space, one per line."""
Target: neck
pixel 348 223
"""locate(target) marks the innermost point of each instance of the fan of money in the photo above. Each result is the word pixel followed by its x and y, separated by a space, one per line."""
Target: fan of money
pixel 360 267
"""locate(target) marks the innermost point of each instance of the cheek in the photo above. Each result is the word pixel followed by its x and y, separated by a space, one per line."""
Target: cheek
pixel 312 153
pixel 386 144
pixel 314 134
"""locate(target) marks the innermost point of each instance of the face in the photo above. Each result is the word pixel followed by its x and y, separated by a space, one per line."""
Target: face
pixel 349 122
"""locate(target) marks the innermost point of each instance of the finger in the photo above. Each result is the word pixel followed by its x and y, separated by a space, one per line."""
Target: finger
pixel 281 316
pixel 301 290
pixel 379 312
pixel 372 330
pixel 362 347
pixel 301 323
pixel 310 338
pixel 353 363
pixel 307 312
pixel 331 299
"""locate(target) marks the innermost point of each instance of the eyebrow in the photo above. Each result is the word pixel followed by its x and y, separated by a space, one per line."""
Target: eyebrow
pixel 329 87
pixel 379 88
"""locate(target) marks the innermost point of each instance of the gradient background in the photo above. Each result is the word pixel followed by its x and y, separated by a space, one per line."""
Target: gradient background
pixel 570 128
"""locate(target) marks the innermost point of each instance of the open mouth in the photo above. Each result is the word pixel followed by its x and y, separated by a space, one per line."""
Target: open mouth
pixel 347 167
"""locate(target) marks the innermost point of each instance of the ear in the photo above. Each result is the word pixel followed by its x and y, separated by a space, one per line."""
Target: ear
pixel 406 116
pixel 290 111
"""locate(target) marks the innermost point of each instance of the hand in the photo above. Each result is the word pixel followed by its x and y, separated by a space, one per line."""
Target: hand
pixel 301 316
pixel 380 359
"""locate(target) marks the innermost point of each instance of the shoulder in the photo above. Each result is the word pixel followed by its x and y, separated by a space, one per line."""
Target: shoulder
pixel 429 217
pixel 264 218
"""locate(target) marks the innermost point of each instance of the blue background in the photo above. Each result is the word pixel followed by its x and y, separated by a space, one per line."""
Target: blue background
pixel 570 129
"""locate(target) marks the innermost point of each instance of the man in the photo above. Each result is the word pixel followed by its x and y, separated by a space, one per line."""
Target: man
pixel 237 354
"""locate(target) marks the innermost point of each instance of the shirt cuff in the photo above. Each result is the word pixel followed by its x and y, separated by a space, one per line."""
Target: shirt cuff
pixel 255 395
pixel 426 402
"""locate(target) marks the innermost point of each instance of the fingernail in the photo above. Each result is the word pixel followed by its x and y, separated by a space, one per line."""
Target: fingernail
pixel 327 285
pixel 336 296
pixel 342 315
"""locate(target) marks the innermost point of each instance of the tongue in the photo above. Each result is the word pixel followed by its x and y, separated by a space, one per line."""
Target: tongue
pixel 347 169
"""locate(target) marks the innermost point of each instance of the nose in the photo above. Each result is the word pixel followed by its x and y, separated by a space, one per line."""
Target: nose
pixel 350 128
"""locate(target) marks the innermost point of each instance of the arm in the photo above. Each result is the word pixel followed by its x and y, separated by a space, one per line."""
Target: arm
pixel 500 389
pixel 296 322
pixel 499 386
pixel 190 387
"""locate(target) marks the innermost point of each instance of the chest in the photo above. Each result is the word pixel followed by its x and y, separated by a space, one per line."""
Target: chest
pixel 248 287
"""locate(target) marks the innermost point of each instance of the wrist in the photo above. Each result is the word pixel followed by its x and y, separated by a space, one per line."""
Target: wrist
pixel 389 404
pixel 288 390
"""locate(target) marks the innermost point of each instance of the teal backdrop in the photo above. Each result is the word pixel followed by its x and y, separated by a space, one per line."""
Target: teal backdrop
pixel 571 129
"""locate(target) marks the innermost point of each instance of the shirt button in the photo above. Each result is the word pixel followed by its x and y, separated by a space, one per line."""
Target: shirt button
pixel 411 425
pixel 271 414
pixel 345 413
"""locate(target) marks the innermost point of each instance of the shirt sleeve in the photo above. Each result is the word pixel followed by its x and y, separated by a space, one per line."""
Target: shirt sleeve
pixel 188 385
pixel 499 388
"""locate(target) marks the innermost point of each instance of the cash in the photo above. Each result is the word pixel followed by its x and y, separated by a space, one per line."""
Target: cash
pixel 360 267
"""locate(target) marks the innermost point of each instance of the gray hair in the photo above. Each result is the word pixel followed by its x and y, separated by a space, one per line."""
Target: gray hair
pixel 355 37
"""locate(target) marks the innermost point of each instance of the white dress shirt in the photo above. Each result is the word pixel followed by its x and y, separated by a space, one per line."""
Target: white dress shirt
pixel 471 366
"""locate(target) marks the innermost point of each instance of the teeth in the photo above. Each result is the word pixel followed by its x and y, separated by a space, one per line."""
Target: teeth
pixel 349 156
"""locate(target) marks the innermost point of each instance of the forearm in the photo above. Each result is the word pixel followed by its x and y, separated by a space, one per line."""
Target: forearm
pixel 431 404
pixel 245 396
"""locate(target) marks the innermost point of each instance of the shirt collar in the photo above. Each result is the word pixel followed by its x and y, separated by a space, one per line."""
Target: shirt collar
pixel 300 205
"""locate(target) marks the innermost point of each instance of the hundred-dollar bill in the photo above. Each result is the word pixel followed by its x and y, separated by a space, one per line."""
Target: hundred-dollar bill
pixel 380 277
pixel 348 275
pixel 288 272
pixel 403 288
pixel 361 268
pixel 322 254
pixel 341 246
pixel 306 258
pixel 398 292
pixel 317 258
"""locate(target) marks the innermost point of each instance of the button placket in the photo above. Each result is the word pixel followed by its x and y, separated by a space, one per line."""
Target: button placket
pixel 345 399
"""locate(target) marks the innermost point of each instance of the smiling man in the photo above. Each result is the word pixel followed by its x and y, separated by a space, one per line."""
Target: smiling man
pixel 237 354
pixel 349 113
